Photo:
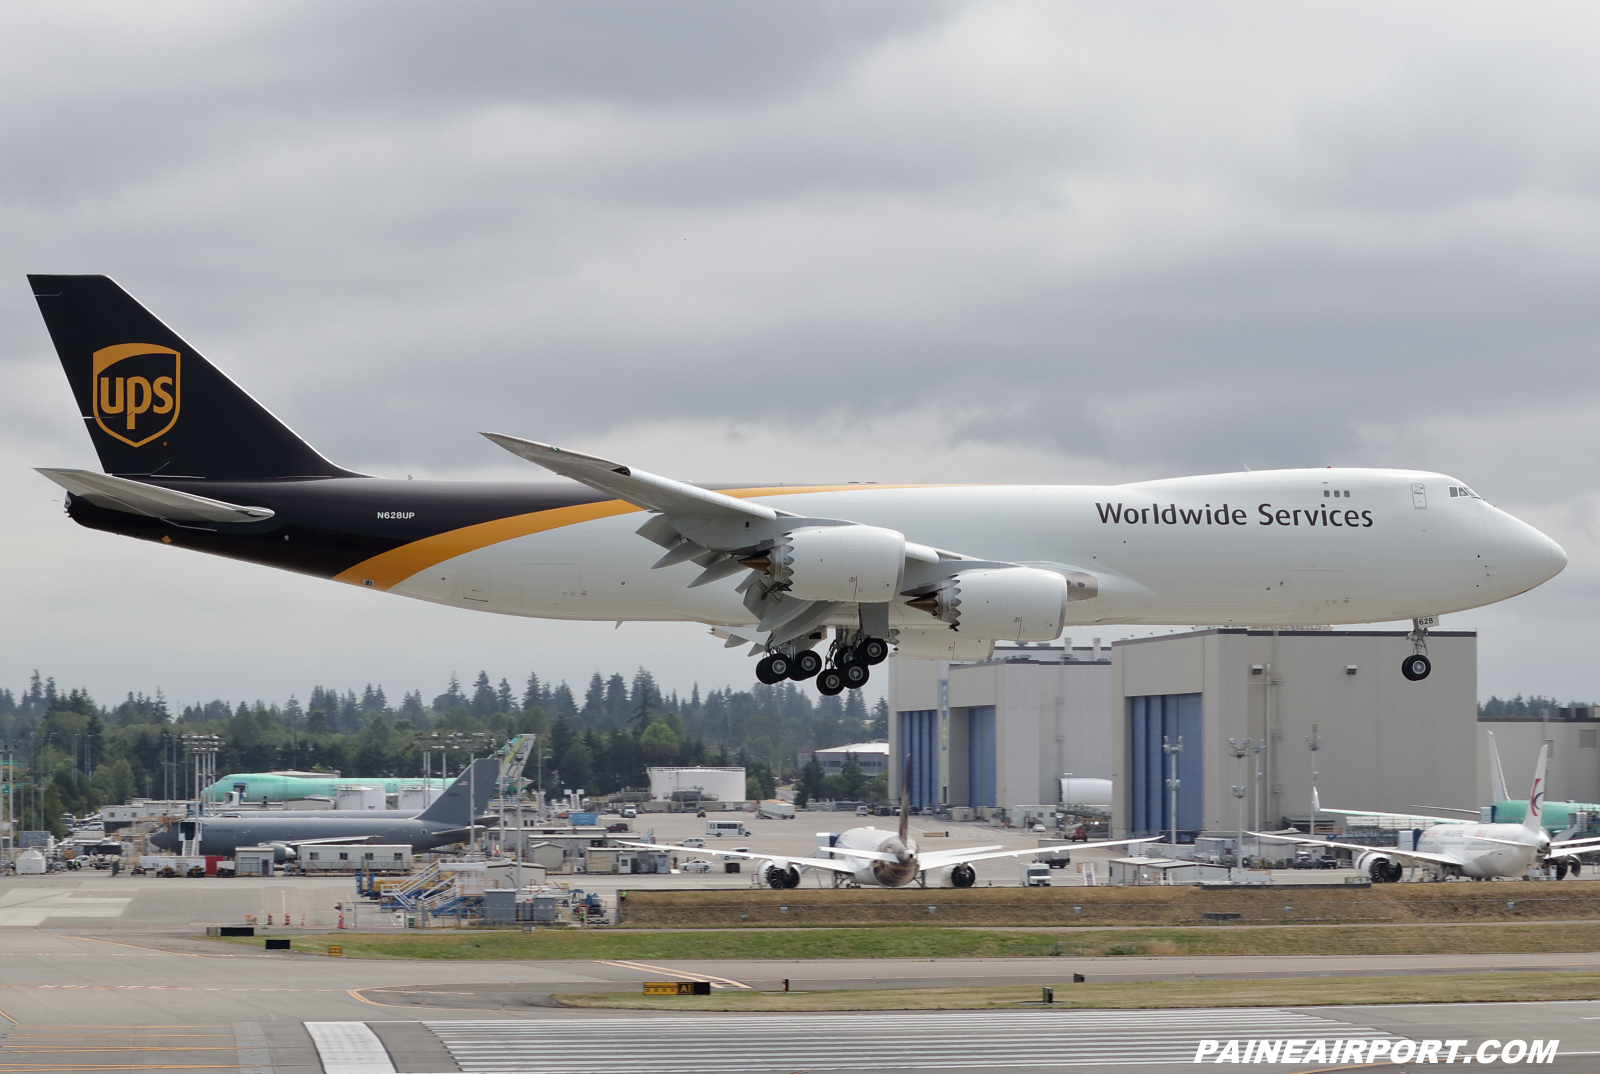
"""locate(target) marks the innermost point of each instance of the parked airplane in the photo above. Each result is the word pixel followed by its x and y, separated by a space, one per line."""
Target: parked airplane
pixel 1479 851
pixel 511 757
pixel 238 788
pixel 940 571
pixel 1560 819
pixel 452 818
pixel 871 857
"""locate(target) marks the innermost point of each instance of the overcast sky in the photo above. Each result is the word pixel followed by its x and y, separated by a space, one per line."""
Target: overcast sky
pixel 828 241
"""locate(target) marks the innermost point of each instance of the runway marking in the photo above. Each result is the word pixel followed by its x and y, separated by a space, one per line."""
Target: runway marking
pixel 10 1019
pixel 715 981
pixel 349 1048
pixel 730 1043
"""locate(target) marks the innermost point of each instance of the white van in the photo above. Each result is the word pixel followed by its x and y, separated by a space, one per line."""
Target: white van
pixel 720 828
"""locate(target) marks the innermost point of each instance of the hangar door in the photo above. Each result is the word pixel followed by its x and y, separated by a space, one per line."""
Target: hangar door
pixel 1149 804
pixel 919 739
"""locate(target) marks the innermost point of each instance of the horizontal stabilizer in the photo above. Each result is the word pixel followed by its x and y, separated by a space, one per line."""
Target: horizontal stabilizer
pixel 137 498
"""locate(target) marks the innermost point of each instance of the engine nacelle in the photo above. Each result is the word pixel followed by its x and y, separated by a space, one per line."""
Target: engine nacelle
pixel 1379 866
pixel 1011 604
pixel 844 563
pixel 781 875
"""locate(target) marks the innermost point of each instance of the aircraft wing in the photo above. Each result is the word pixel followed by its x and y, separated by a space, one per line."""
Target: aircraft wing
pixel 137 498
pixel 837 865
pixel 1396 816
pixel 726 534
pixel 1571 848
pixel 938 859
pixel 646 490
pixel 332 841
pixel 1393 852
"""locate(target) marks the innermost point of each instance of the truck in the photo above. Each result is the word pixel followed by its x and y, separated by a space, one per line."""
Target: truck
pixel 775 810
pixel 1035 874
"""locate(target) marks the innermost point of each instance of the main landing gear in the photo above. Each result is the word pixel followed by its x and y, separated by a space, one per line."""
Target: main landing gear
pixel 847 665
pixel 1417 666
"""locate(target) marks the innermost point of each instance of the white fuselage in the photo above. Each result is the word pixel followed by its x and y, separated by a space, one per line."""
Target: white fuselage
pixel 1475 848
pixel 1264 548
pixel 873 873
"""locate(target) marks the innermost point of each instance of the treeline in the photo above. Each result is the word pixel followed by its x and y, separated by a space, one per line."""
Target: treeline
pixel 75 754
pixel 1523 708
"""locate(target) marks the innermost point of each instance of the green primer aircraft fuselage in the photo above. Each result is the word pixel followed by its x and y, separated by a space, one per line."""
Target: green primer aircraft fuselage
pixel 290 786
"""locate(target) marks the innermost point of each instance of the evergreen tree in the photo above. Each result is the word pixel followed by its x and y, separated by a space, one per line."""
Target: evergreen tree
pixel 531 695
pixel 483 699
pixel 809 785
pixel 594 701
pixel 504 700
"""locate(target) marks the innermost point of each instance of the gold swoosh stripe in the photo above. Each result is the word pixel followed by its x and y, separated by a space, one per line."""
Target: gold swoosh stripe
pixel 388 569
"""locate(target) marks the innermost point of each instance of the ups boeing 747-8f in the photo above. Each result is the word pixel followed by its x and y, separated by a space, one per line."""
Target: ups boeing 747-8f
pixel 819 580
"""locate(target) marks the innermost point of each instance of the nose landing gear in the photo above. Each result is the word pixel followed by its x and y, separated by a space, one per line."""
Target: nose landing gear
pixel 1417 666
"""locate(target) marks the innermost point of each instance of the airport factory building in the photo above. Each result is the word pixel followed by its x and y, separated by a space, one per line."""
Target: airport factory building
pixel 995 734
pixel 716 787
pixel 1385 743
pixel 873 757
pixel 999 733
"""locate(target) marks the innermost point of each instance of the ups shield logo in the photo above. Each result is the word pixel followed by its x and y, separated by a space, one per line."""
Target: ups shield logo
pixel 136 391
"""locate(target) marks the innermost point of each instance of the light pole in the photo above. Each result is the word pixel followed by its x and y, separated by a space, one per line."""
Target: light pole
pixel 1240 749
pixel 1313 743
pixel 1172 749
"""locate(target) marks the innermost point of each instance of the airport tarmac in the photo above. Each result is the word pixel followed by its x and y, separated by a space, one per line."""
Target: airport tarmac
pixel 103 973
pixel 172 1002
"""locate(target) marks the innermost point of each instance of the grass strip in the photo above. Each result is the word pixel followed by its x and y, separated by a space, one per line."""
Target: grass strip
pixel 1135 995
pixel 902 942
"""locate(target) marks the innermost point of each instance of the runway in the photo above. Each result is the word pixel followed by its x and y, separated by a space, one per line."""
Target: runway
pixel 77 1002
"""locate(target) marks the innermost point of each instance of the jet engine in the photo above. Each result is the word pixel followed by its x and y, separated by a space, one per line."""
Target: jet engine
pixel 1380 867
pixel 839 563
pixel 1010 604
pixel 963 876
pixel 778 877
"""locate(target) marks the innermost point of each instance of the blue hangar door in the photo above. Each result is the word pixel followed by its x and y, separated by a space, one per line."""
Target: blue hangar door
pixel 919 739
pixel 1149 805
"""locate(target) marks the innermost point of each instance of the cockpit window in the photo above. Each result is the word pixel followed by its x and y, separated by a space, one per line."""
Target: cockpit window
pixel 1462 490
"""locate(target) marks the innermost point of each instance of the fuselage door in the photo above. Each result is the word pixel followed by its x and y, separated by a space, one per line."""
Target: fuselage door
pixel 1419 496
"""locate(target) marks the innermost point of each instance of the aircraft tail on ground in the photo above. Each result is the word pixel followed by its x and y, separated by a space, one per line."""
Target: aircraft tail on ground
pixel 452 807
pixel 1497 775
pixel 905 802
pixel 153 405
pixel 1533 819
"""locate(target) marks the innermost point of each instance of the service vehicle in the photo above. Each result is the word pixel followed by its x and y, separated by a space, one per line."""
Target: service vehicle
pixel 720 828
pixel 1035 874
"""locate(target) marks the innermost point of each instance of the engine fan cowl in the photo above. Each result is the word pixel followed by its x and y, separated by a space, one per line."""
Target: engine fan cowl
pixel 839 563
pixel 1012 604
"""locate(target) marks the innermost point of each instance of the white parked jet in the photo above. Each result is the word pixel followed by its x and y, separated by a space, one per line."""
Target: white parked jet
pixel 871 857
pixel 941 571
pixel 1451 848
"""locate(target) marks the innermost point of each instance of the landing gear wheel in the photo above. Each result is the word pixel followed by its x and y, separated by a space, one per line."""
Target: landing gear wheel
pixel 1561 869
pixel 804 665
pixel 1416 667
pixel 872 651
pixel 855 675
pixel 774 669
pixel 830 682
